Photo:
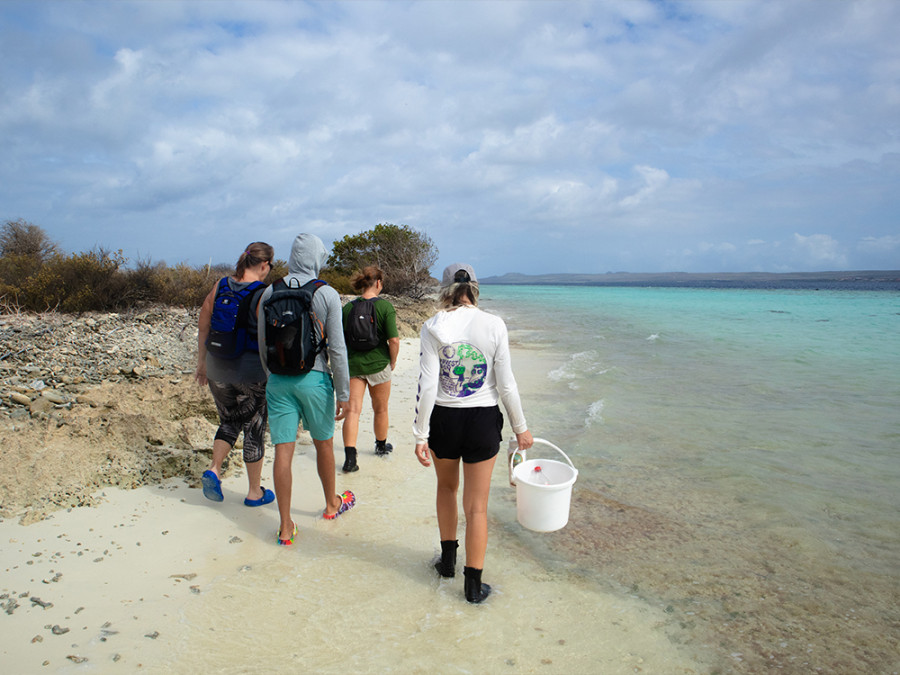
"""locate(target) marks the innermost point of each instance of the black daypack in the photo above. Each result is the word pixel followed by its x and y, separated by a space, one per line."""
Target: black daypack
pixel 361 326
pixel 229 334
pixel 291 339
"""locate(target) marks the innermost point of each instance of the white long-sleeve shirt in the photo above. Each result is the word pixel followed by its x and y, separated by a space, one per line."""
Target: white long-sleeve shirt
pixel 465 363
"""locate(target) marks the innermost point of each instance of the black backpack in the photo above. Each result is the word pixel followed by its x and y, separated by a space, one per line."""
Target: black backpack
pixel 291 340
pixel 361 326
pixel 229 336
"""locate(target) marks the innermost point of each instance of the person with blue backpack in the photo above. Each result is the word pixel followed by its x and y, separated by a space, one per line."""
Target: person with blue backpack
pixel 373 343
pixel 301 345
pixel 228 362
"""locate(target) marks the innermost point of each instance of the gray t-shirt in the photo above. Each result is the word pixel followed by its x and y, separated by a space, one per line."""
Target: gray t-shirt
pixel 247 368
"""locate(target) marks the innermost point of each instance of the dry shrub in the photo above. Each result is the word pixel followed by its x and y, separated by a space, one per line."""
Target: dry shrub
pixel 78 283
pixel 185 286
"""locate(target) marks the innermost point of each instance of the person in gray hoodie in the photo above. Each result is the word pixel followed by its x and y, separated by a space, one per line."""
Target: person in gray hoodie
pixel 309 397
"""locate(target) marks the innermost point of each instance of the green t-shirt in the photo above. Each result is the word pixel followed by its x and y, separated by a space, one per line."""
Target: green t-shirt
pixel 374 360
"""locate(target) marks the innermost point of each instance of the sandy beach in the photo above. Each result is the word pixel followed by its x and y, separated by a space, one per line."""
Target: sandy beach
pixel 156 578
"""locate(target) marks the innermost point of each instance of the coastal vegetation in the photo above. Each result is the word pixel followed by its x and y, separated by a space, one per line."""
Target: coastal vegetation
pixel 36 275
pixel 404 254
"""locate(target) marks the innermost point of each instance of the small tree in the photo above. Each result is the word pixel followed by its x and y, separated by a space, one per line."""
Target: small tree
pixel 24 250
pixel 21 238
pixel 405 255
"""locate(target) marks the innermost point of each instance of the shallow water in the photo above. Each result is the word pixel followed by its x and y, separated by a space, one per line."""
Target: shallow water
pixel 739 460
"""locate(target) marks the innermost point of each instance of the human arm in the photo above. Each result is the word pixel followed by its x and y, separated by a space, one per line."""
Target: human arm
pixel 423 454
pixel 389 330
pixel 203 326
pixel 524 440
pixel 429 371
pixel 393 350
pixel 337 349
pixel 261 328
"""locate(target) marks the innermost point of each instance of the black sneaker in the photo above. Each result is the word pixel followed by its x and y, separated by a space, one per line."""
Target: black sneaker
pixel 382 449
pixel 350 464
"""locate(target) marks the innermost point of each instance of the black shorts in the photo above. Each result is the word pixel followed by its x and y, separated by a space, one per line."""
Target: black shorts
pixel 473 434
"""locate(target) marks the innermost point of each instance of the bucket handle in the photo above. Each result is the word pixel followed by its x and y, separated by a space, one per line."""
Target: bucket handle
pixel 545 442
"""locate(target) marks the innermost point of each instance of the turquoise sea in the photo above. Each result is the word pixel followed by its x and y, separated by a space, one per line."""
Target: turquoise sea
pixel 739 459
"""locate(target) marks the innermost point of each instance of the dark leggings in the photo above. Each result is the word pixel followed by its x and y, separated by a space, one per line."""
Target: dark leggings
pixel 242 407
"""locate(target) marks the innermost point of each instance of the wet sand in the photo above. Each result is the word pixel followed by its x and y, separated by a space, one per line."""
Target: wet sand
pixel 159 579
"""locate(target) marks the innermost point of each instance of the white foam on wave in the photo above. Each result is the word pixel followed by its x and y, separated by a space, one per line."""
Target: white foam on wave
pixel 594 413
pixel 581 363
pixel 653 337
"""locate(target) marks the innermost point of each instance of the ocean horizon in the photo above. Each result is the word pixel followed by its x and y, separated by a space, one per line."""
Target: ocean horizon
pixel 851 280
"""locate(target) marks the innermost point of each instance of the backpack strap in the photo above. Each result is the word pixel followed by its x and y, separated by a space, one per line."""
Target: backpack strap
pixel 312 286
pixel 244 307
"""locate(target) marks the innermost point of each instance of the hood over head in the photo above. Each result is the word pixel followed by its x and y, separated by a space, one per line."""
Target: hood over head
pixel 308 256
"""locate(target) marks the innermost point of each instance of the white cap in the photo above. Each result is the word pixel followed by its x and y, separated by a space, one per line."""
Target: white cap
pixel 458 272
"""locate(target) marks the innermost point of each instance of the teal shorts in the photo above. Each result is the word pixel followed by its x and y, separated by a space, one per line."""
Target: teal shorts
pixel 292 398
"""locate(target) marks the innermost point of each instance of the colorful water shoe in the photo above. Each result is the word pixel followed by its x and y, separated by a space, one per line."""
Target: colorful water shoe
pixel 348 501
pixel 287 542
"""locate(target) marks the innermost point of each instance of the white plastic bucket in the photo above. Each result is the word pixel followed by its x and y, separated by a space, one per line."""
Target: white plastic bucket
pixel 543 497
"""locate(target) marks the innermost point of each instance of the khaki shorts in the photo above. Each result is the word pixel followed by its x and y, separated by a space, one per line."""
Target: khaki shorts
pixel 374 379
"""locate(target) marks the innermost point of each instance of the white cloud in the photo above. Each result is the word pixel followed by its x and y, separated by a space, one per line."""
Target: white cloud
pixel 820 249
pixel 654 180
pixel 625 130
pixel 880 244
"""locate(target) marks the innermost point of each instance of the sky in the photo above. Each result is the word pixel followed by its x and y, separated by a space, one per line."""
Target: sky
pixel 532 137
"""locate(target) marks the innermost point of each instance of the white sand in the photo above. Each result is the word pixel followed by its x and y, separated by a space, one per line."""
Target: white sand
pixel 159 579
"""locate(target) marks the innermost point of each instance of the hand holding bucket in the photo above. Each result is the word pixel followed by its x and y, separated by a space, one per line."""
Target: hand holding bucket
pixel 543 489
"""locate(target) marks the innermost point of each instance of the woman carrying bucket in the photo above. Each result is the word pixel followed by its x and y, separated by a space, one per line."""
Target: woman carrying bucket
pixel 464 372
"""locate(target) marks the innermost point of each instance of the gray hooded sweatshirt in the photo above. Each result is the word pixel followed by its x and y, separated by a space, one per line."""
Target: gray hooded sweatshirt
pixel 308 256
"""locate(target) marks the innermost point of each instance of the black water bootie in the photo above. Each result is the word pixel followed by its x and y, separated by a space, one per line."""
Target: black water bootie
pixel 383 447
pixel 446 566
pixel 350 464
pixel 475 590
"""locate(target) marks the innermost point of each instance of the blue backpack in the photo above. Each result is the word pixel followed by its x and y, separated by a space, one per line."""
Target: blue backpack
pixel 229 334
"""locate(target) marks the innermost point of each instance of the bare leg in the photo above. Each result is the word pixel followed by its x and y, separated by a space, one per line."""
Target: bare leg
pixel 220 452
pixel 284 479
pixel 447 471
pixel 380 394
pixel 476 490
pixel 254 477
pixel 350 428
pixel 325 467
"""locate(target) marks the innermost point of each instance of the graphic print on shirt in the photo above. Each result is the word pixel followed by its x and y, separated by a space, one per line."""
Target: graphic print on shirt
pixel 463 369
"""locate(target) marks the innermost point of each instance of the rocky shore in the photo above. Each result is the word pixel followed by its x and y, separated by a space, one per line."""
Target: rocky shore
pixel 99 400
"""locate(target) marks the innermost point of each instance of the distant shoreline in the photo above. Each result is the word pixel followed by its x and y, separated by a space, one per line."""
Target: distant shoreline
pixel 886 280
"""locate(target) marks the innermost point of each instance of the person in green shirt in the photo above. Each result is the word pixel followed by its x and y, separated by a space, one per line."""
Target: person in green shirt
pixel 370 366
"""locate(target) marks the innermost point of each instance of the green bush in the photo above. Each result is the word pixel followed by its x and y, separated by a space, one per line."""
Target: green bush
pixel 340 282
pixel 404 254
pixel 15 268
